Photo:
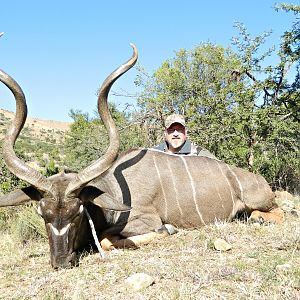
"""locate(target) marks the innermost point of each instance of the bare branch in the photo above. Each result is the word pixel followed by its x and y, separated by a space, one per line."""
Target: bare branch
pixel 123 93
pixel 255 80
pixel 285 116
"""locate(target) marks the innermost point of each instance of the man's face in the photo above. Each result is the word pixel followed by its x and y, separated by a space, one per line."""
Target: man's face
pixel 175 136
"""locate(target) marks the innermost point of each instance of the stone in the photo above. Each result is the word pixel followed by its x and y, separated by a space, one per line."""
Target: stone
pixel 284 195
pixel 139 281
pixel 222 245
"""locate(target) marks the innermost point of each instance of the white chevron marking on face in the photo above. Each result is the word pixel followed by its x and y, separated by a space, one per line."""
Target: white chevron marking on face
pixel 61 231
pixel 193 188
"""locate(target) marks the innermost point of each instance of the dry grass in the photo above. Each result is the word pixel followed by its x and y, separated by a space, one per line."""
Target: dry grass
pixel 264 263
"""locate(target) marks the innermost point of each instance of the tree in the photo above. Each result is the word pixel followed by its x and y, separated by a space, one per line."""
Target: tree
pixel 87 139
pixel 231 101
pixel 290 54
pixel 276 137
pixel 84 142
pixel 196 83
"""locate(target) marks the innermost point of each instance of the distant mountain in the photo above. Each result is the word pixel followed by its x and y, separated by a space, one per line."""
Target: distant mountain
pixel 37 127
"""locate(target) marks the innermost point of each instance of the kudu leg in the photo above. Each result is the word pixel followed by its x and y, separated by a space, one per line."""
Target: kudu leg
pixel 110 242
pixel 263 205
pixel 275 215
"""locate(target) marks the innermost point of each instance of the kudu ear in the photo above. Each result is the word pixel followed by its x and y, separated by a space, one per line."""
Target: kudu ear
pixel 108 202
pixel 20 196
pixel 103 200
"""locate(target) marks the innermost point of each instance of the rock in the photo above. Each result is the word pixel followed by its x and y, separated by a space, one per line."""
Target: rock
pixel 139 281
pixel 171 229
pixel 284 195
pixel 222 245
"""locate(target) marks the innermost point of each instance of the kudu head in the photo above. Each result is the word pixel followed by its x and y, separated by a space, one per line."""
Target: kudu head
pixel 62 197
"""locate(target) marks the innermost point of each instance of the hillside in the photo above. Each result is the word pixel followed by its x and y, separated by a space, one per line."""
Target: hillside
pixel 40 142
pixel 37 127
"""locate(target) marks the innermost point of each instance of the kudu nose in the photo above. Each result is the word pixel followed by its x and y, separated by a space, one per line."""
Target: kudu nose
pixel 65 262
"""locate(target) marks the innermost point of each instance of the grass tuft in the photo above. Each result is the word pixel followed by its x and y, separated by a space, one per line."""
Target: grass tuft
pixel 28 225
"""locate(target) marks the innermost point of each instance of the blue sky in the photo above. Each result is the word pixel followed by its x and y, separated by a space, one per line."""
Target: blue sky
pixel 61 51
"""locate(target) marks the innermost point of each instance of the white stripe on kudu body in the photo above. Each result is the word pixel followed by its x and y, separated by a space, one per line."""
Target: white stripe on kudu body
pixel 239 183
pixel 176 192
pixel 259 183
pixel 230 187
pixel 162 187
pixel 193 188
pixel 216 186
pixel 255 177
pixel 61 231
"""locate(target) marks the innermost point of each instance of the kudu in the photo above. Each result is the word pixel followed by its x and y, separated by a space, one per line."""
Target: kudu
pixel 132 196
